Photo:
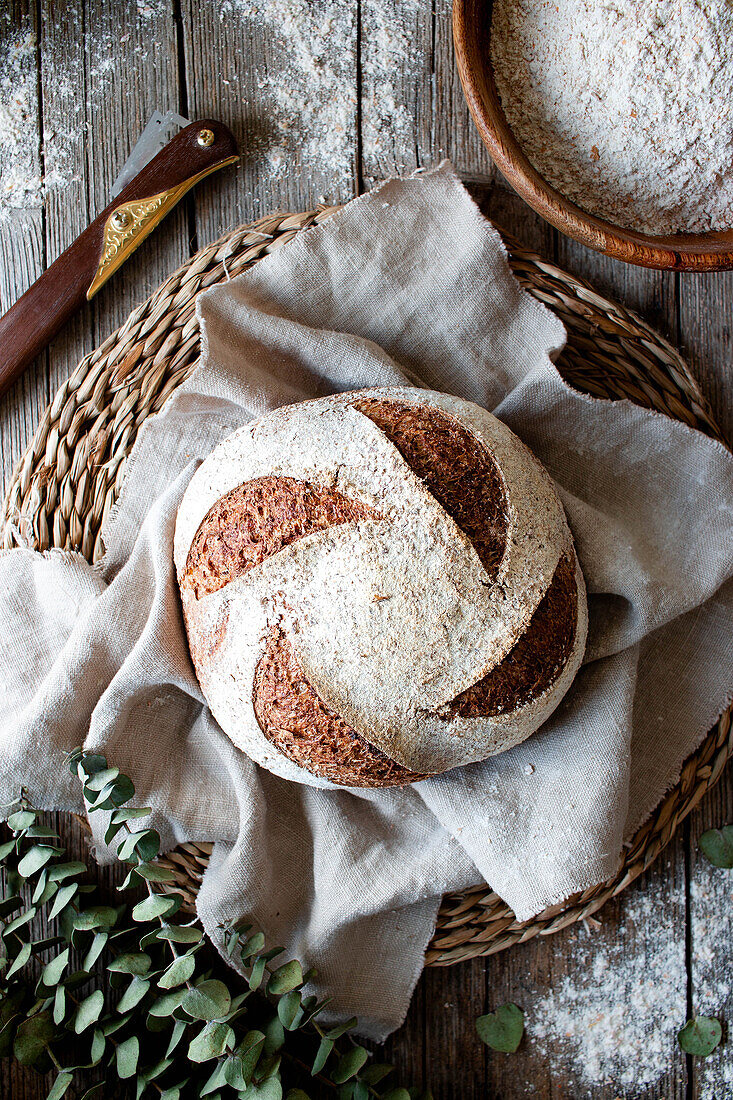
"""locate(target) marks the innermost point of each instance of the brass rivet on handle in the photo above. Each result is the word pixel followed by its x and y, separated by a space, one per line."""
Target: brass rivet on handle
pixel 205 138
pixel 120 219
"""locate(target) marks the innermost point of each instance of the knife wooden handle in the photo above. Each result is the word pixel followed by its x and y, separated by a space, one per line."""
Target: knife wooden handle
pixel 30 324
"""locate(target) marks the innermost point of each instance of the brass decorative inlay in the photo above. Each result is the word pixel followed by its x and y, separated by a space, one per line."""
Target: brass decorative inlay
pixel 131 222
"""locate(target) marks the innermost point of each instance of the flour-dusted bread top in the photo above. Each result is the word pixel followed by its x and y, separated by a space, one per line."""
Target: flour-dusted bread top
pixel 378 587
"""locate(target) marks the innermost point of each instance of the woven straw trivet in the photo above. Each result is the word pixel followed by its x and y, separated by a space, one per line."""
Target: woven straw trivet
pixel 70 476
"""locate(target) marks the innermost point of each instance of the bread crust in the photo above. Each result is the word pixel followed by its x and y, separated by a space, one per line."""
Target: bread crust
pixel 421 491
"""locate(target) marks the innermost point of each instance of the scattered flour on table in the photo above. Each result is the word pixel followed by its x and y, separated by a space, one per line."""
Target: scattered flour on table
pixel 308 86
pixel 20 178
pixel 625 107
pixel 618 1023
pixel 711 905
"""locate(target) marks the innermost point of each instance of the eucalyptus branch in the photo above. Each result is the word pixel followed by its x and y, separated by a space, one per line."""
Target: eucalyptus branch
pixel 152 991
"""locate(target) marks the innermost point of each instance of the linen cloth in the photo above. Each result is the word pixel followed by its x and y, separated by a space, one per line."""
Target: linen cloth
pixel 408 284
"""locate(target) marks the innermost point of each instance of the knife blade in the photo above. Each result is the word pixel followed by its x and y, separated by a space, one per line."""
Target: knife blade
pixel 31 323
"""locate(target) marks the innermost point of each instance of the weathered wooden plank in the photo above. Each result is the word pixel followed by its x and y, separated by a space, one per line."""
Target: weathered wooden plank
pixel 21 212
pixel 396 68
pixel 454 133
pixel 711 931
pixel 282 75
pixel 706 338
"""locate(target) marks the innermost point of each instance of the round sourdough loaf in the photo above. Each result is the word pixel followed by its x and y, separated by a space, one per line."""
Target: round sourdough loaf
pixel 377 587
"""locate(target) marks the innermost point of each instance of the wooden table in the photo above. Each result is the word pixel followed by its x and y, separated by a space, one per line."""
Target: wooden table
pixel 93 71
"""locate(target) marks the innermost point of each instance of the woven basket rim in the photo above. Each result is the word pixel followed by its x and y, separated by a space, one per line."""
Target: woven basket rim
pixel 68 478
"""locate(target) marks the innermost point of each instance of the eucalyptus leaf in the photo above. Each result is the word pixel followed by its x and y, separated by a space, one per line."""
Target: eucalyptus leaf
pixel 240 1067
pixel 89 1011
pixel 502 1030
pixel 34 859
pixel 126 1056
pixel 97 947
pixel 700 1036
pixel 100 779
pixel 341 1029
pixel 322 1055
pixel 274 1036
pixel 61 871
pixel 349 1064
pixel 154 873
pixel 42 832
pixel 717 845
pixel 289 1010
pixel 98 916
pixel 211 1042
pixel 155 905
pixel 179 971
pixel 216 1081
pixel 99 1042
pixel 59 1005
pixel 32 1037
pixel 168 1003
pixel 21 819
pixel 138 962
pixel 397 1094
pixel 296 1094
pixel 18 922
pixel 64 897
pixel 285 978
pixel 209 1000
pixel 271 1089
pixel 131 814
pixel 6 848
pixel 89 763
pixel 179 1030
pixel 134 993
pixel 53 970
pixel 158 1069
pixel 180 933
pixel 20 959
pixel 253 945
pixel 375 1073
pixel 60 1085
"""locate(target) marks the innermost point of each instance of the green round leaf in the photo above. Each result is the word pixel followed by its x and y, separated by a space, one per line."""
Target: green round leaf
pixel 134 993
pixel 35 858
pixel 100 779
pixel 289 1010
pixel 98 1044
pixel 322 1055
pixel 123 789
pixel 127 1055
pixel 286 978
pixel 167 1004
pixel 349 1064
pixel 717 845
pixel 209 1000
pixel 98 916
pixel 32 1038
pixel 239 1068
pixel 53 970
pixel 296 1094
pixel 271 1089
pixel 700 1036
pixel 89 1011
pixel 179 971
pixel 132 963
pixel 211 1042
pixel 60 1085
pixel 20 959
pixel 21 819
pixel 502 1030
pixel 180 933
pixel 59 1005
pixel 156 905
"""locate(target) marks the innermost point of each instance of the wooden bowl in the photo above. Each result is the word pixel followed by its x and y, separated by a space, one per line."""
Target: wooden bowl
pixel 681 252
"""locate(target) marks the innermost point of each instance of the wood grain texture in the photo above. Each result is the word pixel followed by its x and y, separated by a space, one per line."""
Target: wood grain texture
pixel 102 68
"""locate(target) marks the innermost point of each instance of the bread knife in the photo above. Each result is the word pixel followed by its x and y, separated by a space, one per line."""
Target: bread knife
pixel 31 323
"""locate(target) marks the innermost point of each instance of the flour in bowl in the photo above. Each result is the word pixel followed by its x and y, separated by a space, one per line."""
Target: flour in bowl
pixel 625 107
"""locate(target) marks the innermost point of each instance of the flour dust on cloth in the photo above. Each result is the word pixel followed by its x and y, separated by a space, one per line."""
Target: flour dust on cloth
pixel 407 285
